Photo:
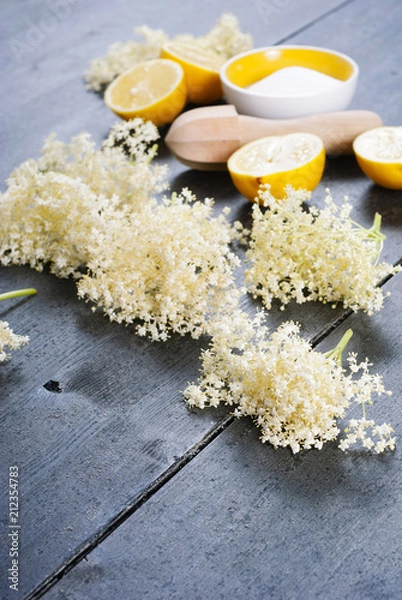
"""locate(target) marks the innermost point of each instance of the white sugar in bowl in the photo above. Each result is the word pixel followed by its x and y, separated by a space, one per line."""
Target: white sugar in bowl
pixel 282 82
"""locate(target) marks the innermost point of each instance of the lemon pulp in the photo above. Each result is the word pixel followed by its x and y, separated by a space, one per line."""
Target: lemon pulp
pixel 296 159
pixel 379 155
pixel 153 90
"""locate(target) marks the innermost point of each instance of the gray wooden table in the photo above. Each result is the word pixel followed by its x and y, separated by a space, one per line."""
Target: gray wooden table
pixel 124 492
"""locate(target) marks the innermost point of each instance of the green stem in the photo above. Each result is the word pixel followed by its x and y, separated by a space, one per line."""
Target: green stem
pixel 374 233
pixel 336 353
pixel 17 293
pixel 376 226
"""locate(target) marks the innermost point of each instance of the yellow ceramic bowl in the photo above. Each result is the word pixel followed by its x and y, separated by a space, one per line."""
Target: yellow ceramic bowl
pixel 281 82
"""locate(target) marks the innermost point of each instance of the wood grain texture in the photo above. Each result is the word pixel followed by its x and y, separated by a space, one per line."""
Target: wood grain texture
pixel 118 430
pixel 245 520
pixel 209 135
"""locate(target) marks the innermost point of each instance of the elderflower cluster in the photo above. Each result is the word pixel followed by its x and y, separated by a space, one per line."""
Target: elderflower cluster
pixel 54 203
pixel 168 266
pixel 314 255
pixel 294 394
pixel 9 341
pixel 371 436
pixel 225 38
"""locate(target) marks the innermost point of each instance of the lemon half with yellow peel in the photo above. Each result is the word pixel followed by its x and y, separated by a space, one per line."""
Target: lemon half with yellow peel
pixel 296 159
pixel 379 155
pixel 154 90
pixel 201 69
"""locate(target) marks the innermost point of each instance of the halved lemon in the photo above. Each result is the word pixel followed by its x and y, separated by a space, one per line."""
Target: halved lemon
pixel 154 90
pixel 296 159
pixel 379 155
pixel 201 69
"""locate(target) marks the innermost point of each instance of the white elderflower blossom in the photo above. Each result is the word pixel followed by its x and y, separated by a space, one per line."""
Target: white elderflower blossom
pixel 53 204
pixel 46 218
pixel 225 38
pixel 294 394
pixel 9 341
pixel 371 436
pixel 107 172
pixel 167 266
pixel 314 255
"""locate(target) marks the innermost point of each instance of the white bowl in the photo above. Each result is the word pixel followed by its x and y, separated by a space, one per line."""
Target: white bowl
pixel 294 81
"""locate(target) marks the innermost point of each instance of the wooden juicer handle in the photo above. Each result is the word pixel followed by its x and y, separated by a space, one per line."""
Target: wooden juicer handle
pixel 204 138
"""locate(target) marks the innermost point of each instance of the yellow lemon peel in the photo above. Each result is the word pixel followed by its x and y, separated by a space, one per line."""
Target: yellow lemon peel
pixel 296 159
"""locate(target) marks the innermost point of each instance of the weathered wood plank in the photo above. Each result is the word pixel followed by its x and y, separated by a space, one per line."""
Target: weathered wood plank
pixel 243 519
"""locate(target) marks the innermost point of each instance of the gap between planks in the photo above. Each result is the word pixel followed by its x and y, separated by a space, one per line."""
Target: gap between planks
pixel 316 20
pixel 128 510
pixel 325 331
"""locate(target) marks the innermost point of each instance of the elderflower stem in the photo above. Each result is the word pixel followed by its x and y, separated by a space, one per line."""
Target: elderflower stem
pixel 17 293
pixel 336 353
pixel 375 228
pixel 375 234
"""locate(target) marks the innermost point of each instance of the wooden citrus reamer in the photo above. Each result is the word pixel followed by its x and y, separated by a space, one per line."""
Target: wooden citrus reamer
pixel 204 138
